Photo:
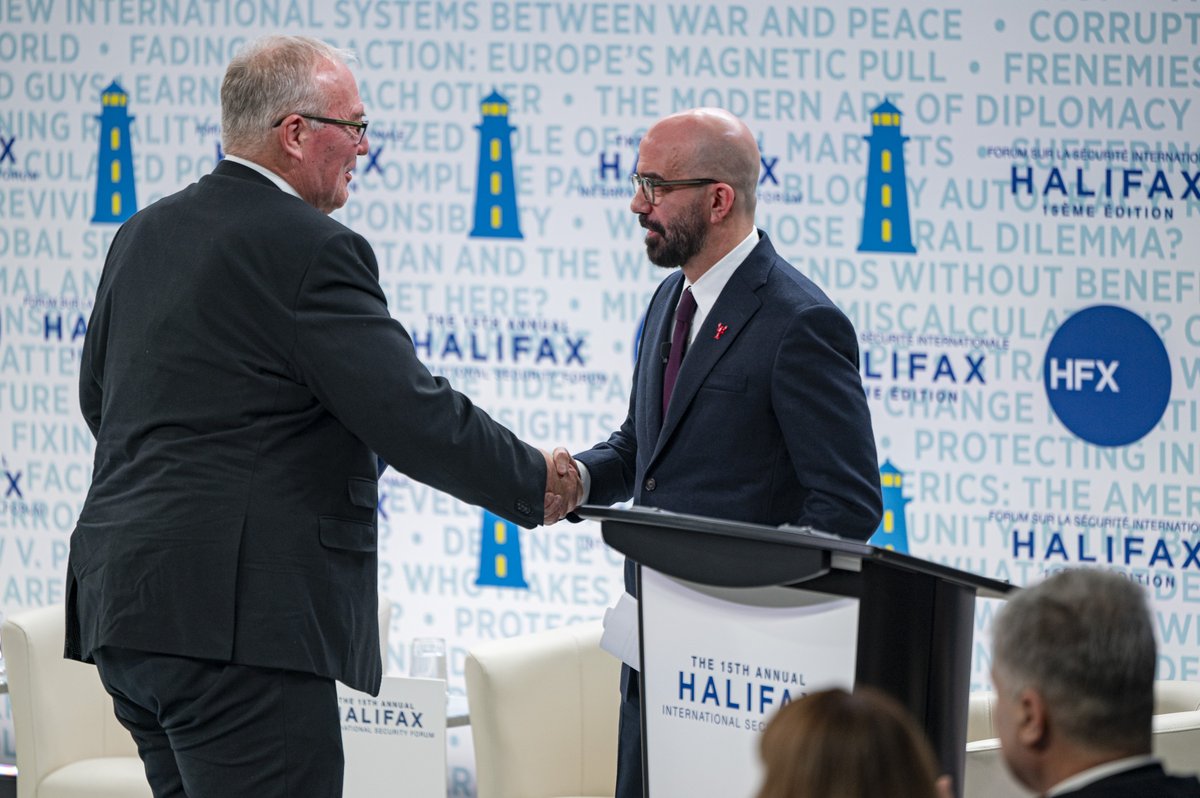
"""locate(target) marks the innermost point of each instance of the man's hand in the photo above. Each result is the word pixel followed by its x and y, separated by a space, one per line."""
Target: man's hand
pixel 564 491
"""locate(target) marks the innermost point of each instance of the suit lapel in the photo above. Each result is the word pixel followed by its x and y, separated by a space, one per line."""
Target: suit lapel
pixel 658 332
pixel 733 310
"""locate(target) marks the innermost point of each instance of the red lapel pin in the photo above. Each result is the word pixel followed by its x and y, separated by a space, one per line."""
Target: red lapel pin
pixel 721 329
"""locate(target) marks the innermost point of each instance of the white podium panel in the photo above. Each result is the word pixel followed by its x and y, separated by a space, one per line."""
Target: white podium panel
pixel 717 662
pixel 395 743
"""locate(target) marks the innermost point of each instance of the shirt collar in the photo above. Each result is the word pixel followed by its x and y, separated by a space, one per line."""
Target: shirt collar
pixel 267 173
pixel 706 290
pixel 1086 777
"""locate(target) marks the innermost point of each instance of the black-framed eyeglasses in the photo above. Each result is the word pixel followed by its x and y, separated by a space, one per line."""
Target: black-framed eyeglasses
pixel 649 185
pixel 360 126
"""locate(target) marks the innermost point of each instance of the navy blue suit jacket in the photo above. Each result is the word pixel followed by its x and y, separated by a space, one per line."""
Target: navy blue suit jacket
pixel 768 422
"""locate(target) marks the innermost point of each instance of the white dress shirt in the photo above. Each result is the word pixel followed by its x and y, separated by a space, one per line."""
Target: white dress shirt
pixel 267 173
pixel 710 285
pixel 705 291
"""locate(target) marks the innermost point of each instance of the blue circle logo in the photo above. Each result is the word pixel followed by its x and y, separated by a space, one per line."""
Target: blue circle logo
pixel 1107 375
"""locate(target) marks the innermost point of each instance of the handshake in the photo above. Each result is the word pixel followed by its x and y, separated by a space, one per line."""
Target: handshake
pixel 564 489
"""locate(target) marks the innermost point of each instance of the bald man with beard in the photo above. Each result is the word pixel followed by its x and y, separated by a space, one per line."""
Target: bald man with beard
pixel 747 402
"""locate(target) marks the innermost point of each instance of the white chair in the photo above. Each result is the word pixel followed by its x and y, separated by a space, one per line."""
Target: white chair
pixel 985 774
pixel 68 740
pixel 544 714
pixel 1176 740
pixel 69 743
pixel 1177 726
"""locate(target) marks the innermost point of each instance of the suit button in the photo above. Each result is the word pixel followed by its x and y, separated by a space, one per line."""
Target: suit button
pixel 651 484
pixel 523 507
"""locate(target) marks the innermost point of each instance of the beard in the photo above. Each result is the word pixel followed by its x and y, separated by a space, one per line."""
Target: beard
pixel 679 244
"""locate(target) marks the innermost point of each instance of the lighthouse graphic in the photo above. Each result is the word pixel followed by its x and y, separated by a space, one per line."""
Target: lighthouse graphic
pixel 495 189
pixel 116 197
pixel 885 226
pixel 500 554
pixel 893 529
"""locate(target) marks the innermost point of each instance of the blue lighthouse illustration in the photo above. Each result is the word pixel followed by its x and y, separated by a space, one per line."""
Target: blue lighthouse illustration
pixel 885 225
pixel 495 188
pixel 893 529
pixel 500 554
pixel 116 197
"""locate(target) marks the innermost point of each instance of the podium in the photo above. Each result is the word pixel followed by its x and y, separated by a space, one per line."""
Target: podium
pixel 739 618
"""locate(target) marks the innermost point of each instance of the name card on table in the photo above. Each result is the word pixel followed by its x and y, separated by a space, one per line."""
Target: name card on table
pixel 395 743
pixel 717 663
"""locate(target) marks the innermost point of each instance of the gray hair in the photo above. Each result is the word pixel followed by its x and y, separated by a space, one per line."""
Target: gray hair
pixel 1083 639
pixel 268 79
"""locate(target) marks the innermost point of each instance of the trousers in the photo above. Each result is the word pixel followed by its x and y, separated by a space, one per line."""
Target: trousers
pixel 218 730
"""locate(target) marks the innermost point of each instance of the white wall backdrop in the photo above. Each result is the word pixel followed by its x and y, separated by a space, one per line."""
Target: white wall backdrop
pixel 1026 285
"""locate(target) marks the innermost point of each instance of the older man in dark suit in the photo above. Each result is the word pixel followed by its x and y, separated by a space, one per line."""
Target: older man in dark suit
pixel 243 377
pixel 747 402
pixel 1073 663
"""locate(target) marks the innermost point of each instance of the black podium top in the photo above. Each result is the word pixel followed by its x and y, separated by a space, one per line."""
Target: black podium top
pixel 736 554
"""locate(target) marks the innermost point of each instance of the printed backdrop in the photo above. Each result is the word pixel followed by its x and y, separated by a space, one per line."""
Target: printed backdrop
pixel 1003 197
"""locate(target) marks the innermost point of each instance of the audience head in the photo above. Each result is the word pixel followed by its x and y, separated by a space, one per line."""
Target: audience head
pixel 694 225
pixel 272 89
pixel 1073 666
pixel 835 744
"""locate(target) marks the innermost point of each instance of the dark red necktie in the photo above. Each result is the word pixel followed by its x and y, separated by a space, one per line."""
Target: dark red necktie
pixel 679 341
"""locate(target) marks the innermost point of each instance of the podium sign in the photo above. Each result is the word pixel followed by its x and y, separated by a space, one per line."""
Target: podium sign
pixel 717 663
pixel 395 743
pixel 912 636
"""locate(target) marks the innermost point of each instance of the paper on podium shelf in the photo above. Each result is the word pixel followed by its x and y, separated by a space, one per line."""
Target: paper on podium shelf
pixel 620 636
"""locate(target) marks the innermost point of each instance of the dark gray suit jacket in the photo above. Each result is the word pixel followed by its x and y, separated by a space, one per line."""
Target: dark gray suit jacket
pixel 242 374
pixel 1148 781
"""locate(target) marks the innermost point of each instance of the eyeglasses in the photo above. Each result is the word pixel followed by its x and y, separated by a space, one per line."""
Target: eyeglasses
pixel 360 126
pixel 649 185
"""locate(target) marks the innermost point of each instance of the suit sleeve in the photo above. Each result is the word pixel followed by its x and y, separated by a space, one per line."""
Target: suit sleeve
pixel 827 426
pixel 95 345
pixel 361 365
pixel 613 463
pixel 91 397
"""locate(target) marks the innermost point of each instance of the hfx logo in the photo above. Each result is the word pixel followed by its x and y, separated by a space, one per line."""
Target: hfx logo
pixel 1107 375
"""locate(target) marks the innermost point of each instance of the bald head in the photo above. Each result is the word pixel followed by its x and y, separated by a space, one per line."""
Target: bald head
pixel 711 142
